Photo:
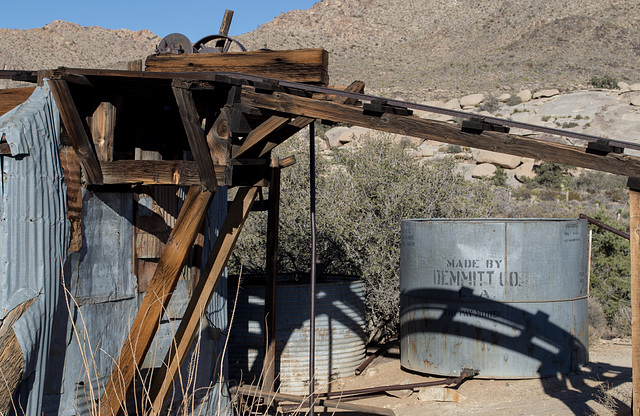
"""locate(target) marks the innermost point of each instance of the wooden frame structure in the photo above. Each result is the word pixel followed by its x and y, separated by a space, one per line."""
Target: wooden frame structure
pixel 228 123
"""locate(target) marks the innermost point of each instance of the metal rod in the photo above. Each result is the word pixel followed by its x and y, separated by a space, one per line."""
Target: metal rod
pixel 377 352
pixel 394 387
pixel 604 226
pixel 312 277
pixel 634 252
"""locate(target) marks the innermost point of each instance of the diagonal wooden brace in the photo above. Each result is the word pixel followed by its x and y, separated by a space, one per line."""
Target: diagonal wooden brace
pixel 165 279
pixel 164 379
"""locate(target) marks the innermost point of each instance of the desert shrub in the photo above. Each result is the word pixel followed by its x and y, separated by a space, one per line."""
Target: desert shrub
pixel 454 148
pixel 514 100
pixel 606 81
pixel 553 175
pixel 362 196
pixel 499 177
pixel 491 104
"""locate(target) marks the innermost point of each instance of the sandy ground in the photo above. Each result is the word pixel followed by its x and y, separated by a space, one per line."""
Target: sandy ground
pixel 579 393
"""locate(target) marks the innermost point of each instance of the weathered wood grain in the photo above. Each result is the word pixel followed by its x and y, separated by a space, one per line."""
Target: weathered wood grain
pixel 12 97
pixel 216 263
pixel 300 65
pixel 156 299
pixel 435 130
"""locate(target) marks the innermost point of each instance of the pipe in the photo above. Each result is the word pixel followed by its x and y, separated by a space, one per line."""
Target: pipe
pixel 603 226
pixel 376 354
pixel 312 322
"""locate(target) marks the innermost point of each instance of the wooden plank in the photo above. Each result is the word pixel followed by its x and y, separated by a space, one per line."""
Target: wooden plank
pixel 102 125
pixel 156 299
pixel 73 180
pixel 271 286
pixel 77 133
pixel 224 29
pixel 10 98
pixel 328 403
pixel 634 252
pixel 152 172
pixel 195 135
pixel 216 263
pixel 276 129
pixel 434 130
pixel 300 65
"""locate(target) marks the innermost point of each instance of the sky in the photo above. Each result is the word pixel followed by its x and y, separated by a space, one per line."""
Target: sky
pixel 195 19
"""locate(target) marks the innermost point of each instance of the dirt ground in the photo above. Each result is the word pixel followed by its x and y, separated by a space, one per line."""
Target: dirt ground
pixel 579 393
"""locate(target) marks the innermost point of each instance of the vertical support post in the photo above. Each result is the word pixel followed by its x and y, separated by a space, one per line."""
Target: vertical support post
pixel 271 286
pixel 224 29
pixel 634 234
pixel 312 280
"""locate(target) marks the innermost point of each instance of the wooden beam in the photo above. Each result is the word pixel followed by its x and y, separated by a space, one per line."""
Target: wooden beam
pixel 10 98
pixel 276 129
pixel 152 172
pixel 271 286
pixel 77 133
pixel 224 29
pixel 155 300
pixel 435 130
pixel 300 65
pixel 195 135
pixel 102 125
pixel 217 261
pixel 634 252
pixel 73 181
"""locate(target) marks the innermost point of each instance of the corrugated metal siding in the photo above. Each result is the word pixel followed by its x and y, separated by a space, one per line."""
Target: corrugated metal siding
pixel 33 231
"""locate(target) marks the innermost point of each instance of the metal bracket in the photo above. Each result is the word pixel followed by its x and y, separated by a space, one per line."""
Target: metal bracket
pixel 380 107
pixel 603 147
pixel 477 125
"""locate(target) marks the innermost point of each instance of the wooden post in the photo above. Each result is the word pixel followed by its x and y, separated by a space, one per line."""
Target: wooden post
pixel 271 285
pixel 634 232
pixel 165 377
pixel 224 29
pixel 155 300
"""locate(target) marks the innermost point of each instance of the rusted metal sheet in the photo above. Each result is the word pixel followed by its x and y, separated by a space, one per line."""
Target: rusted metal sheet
pixel 505 297
pixel 340 333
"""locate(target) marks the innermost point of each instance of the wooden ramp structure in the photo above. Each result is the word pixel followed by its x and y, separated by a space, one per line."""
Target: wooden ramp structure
pixel 213 120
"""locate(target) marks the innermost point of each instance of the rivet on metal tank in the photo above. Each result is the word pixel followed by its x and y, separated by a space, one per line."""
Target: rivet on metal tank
pixel 505 297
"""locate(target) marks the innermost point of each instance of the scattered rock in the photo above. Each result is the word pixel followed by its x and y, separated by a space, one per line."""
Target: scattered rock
pixel 635 100
pixel 499 159
pixel 333 136
pixel 524 171
pixel 624 87
pixel 634 87
pixel 453 104
pixel 471 100
pixel 545 93
pixel 426 150
pixel 440 394
pixel 353 133
pixel 484 170
pixel 525 95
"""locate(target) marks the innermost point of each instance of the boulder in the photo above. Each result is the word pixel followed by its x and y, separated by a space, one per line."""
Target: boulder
pixel 453 104
pixel 333 136
pixel 471 100
pixel 524 171
pixel 634 87
pixel 545 93
pixel 406 141
pixel 484 170
pixel 635 100
pixel 525 95
pixel 504 97
pixel 624 87
pixel 353 133
pixel 499 159
pixel 426 150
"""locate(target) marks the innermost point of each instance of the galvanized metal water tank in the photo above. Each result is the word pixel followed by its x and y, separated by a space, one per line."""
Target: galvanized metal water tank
pixel 505 297
pixel 340 331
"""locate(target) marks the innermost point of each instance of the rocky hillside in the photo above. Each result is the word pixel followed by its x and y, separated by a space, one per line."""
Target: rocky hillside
pixel 400 46
pixel 68 44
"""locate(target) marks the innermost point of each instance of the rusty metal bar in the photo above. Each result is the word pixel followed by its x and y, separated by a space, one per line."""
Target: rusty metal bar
pixel 376 354
pixel 604 226
pixel 465 374
pixel 312 274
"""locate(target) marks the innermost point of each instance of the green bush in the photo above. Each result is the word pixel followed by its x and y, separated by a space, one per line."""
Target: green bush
pixel 499 177
pixel 362 196
pixel 606 81
pixel 514 100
